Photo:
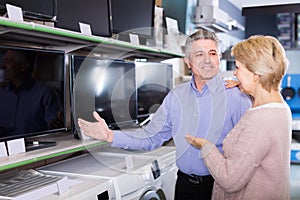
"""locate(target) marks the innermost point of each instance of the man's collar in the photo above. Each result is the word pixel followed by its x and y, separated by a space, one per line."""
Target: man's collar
pixel 215 83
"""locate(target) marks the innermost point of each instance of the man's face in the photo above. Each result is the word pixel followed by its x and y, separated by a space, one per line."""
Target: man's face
pixel 204 59
pixel 11 67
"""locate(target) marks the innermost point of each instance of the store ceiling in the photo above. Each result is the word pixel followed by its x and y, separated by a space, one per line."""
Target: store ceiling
pixel 250 3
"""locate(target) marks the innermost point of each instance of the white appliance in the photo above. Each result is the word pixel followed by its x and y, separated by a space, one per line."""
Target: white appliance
pixel 208 15
pixel 82 188
pixel 132 174
pixel 166 157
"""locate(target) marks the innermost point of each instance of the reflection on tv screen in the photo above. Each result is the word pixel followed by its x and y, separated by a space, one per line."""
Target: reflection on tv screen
pixel 32 92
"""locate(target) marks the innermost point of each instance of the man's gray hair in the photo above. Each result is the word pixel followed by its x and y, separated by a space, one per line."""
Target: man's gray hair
pixel 200 34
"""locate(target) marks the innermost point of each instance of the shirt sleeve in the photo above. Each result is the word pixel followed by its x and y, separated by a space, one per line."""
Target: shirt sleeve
pixel 152 136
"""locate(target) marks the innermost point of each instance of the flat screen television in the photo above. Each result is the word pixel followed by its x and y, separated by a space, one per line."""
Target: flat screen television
pixel 32 93
pixel 154 81
pixel 105 86
pixel 33 9
pixel 96 13
pixel 133 16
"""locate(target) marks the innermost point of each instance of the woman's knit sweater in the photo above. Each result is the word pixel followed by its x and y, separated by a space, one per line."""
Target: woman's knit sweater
pixel 256 159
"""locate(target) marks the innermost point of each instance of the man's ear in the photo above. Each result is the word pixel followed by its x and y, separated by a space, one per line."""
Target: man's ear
pixel 187 62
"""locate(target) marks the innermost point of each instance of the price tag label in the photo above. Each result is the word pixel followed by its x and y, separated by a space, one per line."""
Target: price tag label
pixel 14 12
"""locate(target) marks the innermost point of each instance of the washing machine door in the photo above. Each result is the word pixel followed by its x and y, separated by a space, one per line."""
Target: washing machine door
pixel 152 194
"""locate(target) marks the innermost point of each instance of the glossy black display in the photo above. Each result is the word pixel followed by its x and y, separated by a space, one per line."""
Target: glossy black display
pixel 154 81
pixel 96 13
pixel 33 9
pixel 38 106
pixel 105 86
pixel 133 16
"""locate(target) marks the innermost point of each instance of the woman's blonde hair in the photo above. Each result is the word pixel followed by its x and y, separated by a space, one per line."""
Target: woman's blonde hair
pixel 264 56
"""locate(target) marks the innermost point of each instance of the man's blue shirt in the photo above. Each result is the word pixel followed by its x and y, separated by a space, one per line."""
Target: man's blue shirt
pixel 210 114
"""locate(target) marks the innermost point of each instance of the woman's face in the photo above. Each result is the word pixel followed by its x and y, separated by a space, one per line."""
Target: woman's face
pixel 204 59
pixel 246 77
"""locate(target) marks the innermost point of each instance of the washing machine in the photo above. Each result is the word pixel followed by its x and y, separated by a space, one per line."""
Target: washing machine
pixel 82 188
pixel 165 159
pixel 134 176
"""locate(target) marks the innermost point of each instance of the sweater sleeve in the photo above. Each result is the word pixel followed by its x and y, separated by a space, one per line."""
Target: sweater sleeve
pixel 244 151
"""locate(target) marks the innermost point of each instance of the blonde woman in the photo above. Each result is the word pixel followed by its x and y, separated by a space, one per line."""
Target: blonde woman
pixel 256 153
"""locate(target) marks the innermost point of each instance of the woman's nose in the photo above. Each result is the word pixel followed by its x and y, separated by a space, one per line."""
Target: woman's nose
pixel 234 72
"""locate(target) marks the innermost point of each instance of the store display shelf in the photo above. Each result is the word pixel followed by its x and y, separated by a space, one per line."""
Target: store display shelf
pixel 50 37
pixel 66 144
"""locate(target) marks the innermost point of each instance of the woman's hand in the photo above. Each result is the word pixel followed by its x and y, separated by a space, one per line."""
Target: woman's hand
pixel 232 83
pixel 196 142
pixel 98 130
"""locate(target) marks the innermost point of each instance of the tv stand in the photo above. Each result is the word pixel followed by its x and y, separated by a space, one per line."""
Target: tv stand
pixel 66 145
pixel 34 145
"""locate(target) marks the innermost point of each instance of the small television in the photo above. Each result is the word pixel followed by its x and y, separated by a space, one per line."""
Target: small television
pixel 96 13
pixel 154 81
pixel 133 16
pixel 32 93
pixel 33 9
pixel 106 86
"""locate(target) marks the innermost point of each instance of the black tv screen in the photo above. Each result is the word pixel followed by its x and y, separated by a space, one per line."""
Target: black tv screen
pixel 133 16
pixel 105 86
pixel 154 81
pixel 34 9
pixel 32 92
pixel 96 13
